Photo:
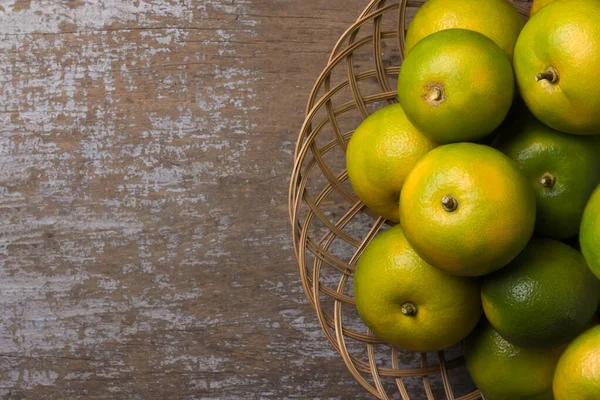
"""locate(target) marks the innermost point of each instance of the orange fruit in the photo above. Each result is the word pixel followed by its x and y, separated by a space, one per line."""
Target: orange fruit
pixel 554 163
pixel 544 297
pixel 496 19
pixel 504 371
pixel 556 61
pixel 467 209
pixel 409 303
pixel 589 236
pixel 456 85
pixel 577 375
pixel 538 5
pixel 380 154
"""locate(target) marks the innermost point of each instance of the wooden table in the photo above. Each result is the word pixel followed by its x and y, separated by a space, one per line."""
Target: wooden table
pixel 145 247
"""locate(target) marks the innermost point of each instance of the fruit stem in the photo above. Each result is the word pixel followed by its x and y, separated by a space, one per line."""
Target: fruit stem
pixel 435 94
pixel 449 203
pixel 548 180
pixel 409 309
pixel 551 75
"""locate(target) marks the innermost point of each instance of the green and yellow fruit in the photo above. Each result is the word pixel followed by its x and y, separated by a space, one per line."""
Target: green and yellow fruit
pixel 467 209
pixel 589 236
pixel 563 169
pixel 456 85
pixel 543 298
pixel 409 303
pixel 381 153
pixel 504 371
pixel 496 19
pixel 538 5
pixel 577 374
pixel 556 64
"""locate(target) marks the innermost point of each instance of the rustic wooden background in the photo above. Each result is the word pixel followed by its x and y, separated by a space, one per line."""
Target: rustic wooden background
pixel 145 152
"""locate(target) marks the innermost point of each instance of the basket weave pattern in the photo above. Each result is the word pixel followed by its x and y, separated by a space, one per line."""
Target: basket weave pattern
pixel 331 227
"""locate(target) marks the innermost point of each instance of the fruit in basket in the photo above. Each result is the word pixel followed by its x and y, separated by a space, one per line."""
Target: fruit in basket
pixel 556 64
pixel 504 371
pixel 456 85
pixel 577 375
pixel 381 153
pixel 467 209
pixel 538 5
pixel 409 303
pixel 496 19
pixel 563 169
pixel 544 298
pixel 589 236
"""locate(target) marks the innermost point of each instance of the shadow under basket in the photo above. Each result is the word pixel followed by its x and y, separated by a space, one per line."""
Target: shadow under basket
pixel 331 226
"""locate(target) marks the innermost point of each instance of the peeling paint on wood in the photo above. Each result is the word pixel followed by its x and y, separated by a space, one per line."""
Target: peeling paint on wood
pixel 145 151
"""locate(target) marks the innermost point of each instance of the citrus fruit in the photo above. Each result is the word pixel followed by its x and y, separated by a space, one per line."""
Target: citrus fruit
pixel 556 61
pixel 467 209
pixel 456 85
pixel 496 19
pixel 409 303
pixel 537 5
pixel 589 236
pixel 504 371
pixel 543 298
pixel 577 375
pixel 381 152
pixel 563 169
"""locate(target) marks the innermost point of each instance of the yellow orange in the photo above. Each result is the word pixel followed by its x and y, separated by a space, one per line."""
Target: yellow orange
pixel 409 303
pixel 467 209
pixel 381 153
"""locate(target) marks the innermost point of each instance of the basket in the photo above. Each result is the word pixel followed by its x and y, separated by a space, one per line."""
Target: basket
pixel 331 227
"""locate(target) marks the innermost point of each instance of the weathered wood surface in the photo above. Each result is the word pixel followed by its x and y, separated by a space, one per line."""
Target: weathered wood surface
pixel 145 152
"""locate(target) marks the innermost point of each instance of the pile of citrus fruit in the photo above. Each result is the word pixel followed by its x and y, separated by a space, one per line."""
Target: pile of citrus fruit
pixel 490 165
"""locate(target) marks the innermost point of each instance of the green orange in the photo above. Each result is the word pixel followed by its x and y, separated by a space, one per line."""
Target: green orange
pixel 407 302
pixel 589 236
pixel 556 64
pixel 456 85
pixel 504 371
pixel 496 19
pixel 467 209
pixel 544 298
pixel 563 169
pixel 538 5
pixel 577 374
pixel 380 154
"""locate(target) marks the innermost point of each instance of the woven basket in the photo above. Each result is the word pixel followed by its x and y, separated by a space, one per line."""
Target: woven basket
pixel 331 227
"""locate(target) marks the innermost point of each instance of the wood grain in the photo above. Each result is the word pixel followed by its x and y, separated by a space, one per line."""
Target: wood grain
pixel 145 249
